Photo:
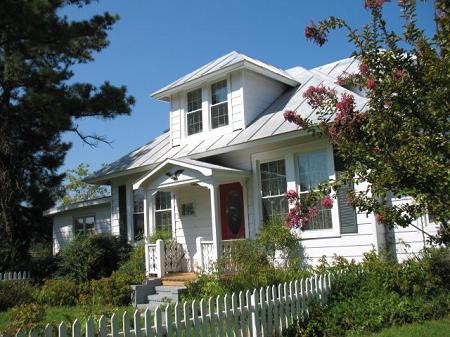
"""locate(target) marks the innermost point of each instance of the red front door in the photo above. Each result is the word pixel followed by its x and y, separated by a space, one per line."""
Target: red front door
pixel 232 211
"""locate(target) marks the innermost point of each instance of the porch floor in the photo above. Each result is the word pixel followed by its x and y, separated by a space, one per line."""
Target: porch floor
pixel 178 279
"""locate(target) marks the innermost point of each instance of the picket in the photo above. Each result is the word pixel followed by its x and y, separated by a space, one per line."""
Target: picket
pixel 15 276
pixel 262 312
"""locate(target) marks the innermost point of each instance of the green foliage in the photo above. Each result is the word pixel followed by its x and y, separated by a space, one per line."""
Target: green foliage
pixel 160 235
pixel 58 292
pixel 43 263
pixel 272 258
pixel 384 294
pixel 399 143
pixel 134 267
pixel 15 293
pixel 40 101
pixel 76 189
pixel 91 257
pixel 27 316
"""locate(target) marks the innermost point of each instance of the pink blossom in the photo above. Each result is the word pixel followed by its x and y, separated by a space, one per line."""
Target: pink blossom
pixel 363 69
pixel 370 84
pixel 346 104
pixel 291 195
pixel 312 32
pixel 398 73
pixel 348 200
pixel 372 4
pixel 378 218
pixel 318 96
pixel 327 202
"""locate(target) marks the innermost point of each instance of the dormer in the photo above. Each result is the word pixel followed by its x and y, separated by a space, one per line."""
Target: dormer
pixel 223 96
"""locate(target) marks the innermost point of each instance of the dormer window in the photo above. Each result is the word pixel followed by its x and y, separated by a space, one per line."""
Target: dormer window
pixel 194 112
pixel 219 104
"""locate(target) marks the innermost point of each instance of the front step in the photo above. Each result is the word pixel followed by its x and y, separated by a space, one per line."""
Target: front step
pixel 165 295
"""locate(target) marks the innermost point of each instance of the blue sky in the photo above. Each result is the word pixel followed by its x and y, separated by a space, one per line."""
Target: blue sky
pixel 156 42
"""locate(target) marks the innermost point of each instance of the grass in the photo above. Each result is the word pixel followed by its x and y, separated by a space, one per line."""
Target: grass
pixel 440 328
pixel 54 315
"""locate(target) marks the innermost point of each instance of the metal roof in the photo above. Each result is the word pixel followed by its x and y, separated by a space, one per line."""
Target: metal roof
pixel 269 123
pixel 76 205
pixel 226 62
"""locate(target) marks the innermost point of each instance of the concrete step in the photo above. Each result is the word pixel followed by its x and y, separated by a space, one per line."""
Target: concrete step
pixel 170 289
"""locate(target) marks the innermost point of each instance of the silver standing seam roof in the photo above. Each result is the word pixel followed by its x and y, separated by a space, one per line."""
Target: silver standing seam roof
pixel 269 123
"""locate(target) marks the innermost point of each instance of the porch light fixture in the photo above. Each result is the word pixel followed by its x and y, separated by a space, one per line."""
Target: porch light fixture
pixel 175 175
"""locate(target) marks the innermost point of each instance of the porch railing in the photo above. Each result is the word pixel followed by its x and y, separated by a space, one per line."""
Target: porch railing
pixel 206 255
pixel 163 257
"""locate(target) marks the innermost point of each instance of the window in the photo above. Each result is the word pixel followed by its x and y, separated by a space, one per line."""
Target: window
pixel 163 211
pixel 219 104
pixel 138 214
pixel 313 170
pixel 84 225
pixel 273 187
pixel 194 112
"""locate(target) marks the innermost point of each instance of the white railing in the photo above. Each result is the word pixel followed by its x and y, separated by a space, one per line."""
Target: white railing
pixel 163 257
pixel 15 276
pixel 261 312
pixel 206 255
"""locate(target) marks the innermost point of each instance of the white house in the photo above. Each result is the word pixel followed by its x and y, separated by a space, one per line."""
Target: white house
pixel 223 166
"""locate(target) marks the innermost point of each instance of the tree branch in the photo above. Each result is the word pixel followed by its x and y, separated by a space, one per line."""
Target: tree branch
pixel 91 140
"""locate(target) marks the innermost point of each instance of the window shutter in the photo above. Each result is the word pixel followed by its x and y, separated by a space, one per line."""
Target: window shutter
pixel 347 213
pixel 123 226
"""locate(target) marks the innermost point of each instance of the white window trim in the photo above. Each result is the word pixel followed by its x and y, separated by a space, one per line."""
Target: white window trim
pixel 290 155
pixel 228 101
pixel 194 111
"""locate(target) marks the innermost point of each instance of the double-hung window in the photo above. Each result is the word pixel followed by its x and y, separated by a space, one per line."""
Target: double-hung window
pixel 194 112
pixel 138 214
pixel 163 211
pixel 84 225
pixel 219 104
pixel 313 170
pixel 273 187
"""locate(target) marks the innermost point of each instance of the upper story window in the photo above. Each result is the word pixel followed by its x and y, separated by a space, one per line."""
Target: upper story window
pixel 138 214
pixel 219 104
pixel 84 225
pixel 194 112
pixel 163 211
pixel 313 170
pixel 273 187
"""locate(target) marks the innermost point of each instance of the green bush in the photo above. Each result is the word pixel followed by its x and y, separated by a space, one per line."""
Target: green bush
pixel 15 293
pixel 27 316
pixel 257 263
pixel 134 267
pixel 58 292
pixel 91 257
pixel 384 294
pixel 160 235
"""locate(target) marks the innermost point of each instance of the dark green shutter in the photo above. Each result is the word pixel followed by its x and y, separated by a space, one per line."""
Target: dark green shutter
pixel 123 225
pixel 347 213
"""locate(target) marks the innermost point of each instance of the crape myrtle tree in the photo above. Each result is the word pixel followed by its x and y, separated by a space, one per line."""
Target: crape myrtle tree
pixel 38 49
pixel 399 143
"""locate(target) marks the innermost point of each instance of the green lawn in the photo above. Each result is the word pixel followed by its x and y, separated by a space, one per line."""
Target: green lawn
pixel 55 315
pixel 439 328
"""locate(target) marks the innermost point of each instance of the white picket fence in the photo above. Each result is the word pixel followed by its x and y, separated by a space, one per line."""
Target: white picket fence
pixel 263 312
pixel 15 276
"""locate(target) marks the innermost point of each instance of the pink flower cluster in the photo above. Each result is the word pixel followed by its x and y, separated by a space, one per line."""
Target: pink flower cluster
pixel 378 218
pixel 327 202
pixel 370 84
pixel 291 196
pixel 291 116
pixel 363 69
pixel 372 4
pixel 300 217
pixel 317 96
pixel 314 33
pixel 348 121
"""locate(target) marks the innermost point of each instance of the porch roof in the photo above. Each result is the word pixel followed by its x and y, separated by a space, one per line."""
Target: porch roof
pixel 206 169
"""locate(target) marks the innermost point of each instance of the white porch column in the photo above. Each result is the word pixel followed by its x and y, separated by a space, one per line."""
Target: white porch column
pixel 215 219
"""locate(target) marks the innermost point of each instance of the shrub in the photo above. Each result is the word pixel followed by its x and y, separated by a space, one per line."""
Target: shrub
pixel 58 292
pixel 15 293
pixel 134 267
pixel 160 235
pixel 92 257
pixel 27 316
pixel 42 263
pixel 386 293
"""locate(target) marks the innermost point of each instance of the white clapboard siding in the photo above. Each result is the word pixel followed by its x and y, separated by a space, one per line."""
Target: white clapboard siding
pixel 261 312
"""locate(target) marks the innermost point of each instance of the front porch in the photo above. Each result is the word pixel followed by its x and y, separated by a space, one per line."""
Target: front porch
pixel 208 212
